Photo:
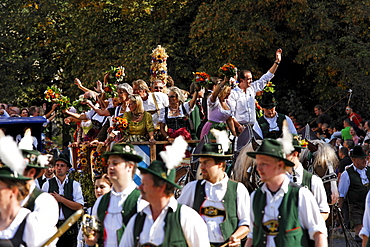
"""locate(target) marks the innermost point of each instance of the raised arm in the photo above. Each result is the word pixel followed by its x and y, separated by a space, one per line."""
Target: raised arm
pixel 277 61
pixel 79 85
pixel 217 90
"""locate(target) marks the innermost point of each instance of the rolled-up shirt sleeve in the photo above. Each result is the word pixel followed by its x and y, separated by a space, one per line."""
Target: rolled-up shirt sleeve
pixel 243 205
pixel 343 184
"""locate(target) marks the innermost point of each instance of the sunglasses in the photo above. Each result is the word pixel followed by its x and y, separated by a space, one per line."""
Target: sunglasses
pixel 347 109
pixel 158 87
pixel 172 96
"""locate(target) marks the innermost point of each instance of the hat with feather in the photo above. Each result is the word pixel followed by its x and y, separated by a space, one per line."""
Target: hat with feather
pixel 172 157
pixel 12 158
pixel 278 148
pixel 217 149
pixel 33 158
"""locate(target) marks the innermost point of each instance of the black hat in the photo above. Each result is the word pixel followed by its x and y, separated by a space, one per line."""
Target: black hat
pixel 127 151
pixel 268 100
pixel 357 152
pixel 272 148
pixel 159 169
pixel 65 158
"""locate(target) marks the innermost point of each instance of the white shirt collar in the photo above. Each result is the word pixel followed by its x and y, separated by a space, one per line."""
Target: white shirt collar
pixel 284 187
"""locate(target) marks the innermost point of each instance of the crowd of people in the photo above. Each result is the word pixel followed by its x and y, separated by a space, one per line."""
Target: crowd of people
pixel 289 208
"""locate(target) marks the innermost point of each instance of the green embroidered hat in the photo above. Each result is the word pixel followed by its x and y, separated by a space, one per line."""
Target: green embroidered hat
pixel 31 158
pixel 7 173
pixel 159 169
pixel 272 148
pixel 268 100
pixel 127 151
pixel 298 143
pixel 212 150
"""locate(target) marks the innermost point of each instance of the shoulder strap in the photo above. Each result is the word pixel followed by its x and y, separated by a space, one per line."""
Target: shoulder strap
pixel 30 204
pixel 307 178
pixel 17 240
pixel 138 227
pixel 155 102
pixel 199 195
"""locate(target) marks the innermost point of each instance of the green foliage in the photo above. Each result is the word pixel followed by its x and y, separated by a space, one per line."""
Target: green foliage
pixel 325 45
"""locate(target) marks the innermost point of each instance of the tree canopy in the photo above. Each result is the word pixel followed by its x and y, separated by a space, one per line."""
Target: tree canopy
pixel 325 45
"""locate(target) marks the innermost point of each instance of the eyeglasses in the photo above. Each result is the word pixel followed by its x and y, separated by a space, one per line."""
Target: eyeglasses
pixel 172 96
pixel 158 87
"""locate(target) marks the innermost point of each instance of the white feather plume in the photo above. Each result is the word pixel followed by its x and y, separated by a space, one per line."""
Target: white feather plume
pixel 10 154
pixel 27 141
pixel 174 154
pixel 43 160
pixel 287 139
pixel 222 138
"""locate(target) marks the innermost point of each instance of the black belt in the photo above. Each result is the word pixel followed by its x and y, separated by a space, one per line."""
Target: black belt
pixel 212 212
pixel 217 244
pixel 152 112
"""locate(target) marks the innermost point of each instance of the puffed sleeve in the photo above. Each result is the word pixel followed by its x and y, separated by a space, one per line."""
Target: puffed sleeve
pixel 148 122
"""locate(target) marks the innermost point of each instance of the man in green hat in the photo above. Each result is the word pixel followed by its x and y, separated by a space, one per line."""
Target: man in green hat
pixel 223 204
pixel 354 184
pixel 271 123
pixel 115 208
pixel 44 208
pixel 164 222
pixel 68 193
pixel 300 176
pixel 282 213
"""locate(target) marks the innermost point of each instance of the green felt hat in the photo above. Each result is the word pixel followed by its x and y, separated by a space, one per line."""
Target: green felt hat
pixel 159 169
pixel 272 148
pixel 357 152
pixel 297 143
pixel 268 100
pixel 127 151
pixel 7 173
pixel 31 157
pixel 212 150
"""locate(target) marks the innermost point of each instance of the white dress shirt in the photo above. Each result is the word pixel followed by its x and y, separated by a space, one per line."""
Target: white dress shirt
pixel 344 181
pixel 366 220
pixel 308 211
pixel 113 218
pixel 76 195
pixel 193 227
pixel 33 234
pixel 273 126
pixel 243 103
pixel 149 104
pixel 317 189
pixel 214 197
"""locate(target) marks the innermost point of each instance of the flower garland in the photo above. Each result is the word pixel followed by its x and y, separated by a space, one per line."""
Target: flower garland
pixel 158 67
pixel 116 73
pixel 228 70
pixel 202 78
pixel 54 94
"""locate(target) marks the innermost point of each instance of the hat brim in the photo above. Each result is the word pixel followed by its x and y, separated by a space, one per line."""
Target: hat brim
pixel 213 155
pixel 268 106
pixel 358 156
pixel 6 173
pixel 127 156
pixel 253 155
pixel 159 176
pixel 64 160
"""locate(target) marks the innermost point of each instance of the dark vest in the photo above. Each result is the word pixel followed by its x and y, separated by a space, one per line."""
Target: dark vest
pixel 357 191
pixel 17 240
pixel 173 234
pixel 265 127
pixel 68 194
pixel 230 224
pixel 41 181
pixel 290 233
pixel 177 122
pixel 30 204
pixel 307 179
pixel 128 210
